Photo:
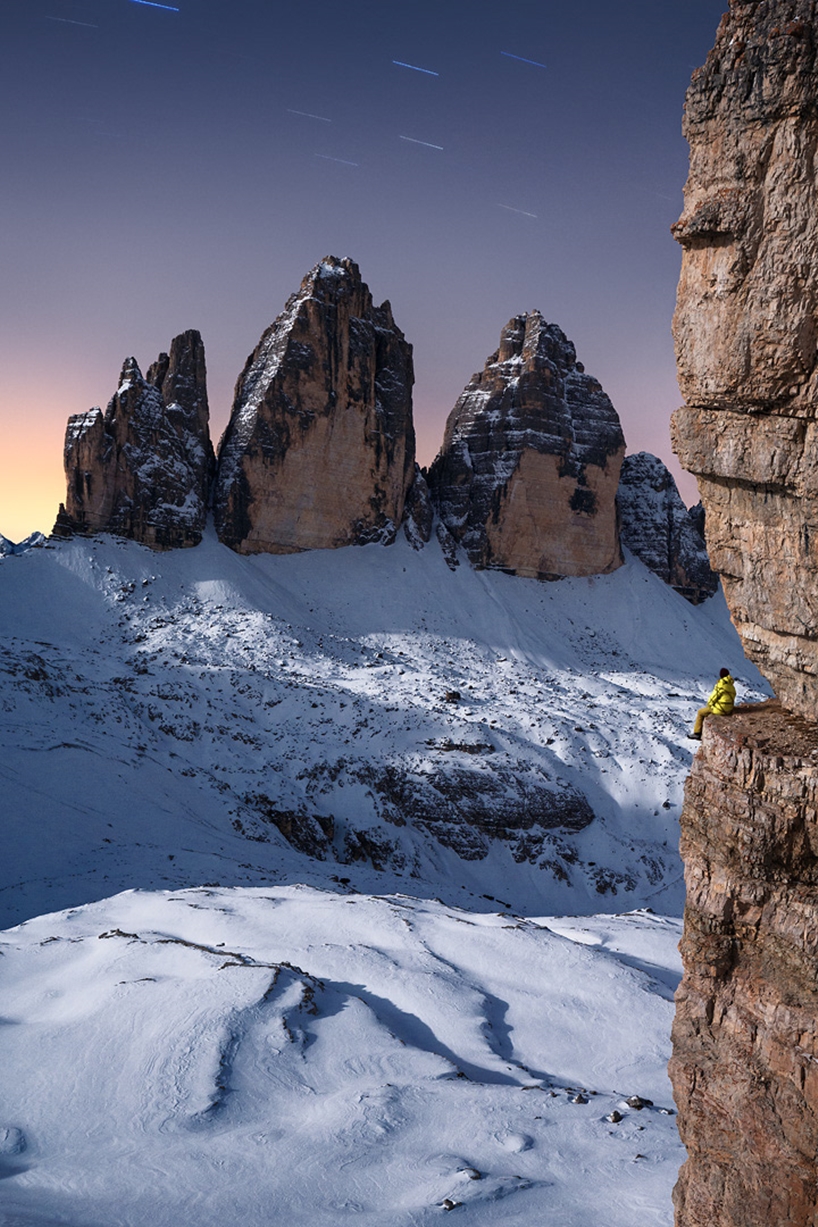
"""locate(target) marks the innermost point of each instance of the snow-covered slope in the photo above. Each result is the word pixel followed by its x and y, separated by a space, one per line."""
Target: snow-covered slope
pixel 285 1055
pixel 276 1022
pixel 198 717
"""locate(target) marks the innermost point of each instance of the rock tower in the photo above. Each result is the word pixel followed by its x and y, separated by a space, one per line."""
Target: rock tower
pixel 746 329
pixel 526 479
pixel 143 468
pixel 657 527
pixel 320 448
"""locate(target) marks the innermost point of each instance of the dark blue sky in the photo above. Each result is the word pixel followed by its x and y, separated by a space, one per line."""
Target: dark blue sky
pixel 158 177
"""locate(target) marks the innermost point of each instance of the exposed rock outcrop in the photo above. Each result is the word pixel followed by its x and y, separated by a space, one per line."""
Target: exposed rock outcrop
pixel 527 476
pixel 419 514
pixel 746 329
pixel 745 1039
pixel 143 469
pixel 320 448
pixel 745 1036
pixel 468 806
pixel 657 527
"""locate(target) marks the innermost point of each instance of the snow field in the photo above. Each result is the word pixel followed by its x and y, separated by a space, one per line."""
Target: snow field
pixel 290 1054
pixel 219 1045
pixel 160 713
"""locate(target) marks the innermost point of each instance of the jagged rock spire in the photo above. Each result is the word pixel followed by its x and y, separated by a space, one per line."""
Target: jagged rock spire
pixel 320 448
pixel 657 527
pixel 143 469
pixel 527 475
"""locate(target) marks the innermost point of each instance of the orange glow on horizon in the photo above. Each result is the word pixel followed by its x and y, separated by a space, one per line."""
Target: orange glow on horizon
pixel 32 483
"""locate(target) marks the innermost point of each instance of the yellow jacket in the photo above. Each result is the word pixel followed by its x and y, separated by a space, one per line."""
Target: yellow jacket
pixel 723 697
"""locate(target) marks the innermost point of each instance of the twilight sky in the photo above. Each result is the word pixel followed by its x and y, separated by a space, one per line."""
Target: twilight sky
pixel 183 166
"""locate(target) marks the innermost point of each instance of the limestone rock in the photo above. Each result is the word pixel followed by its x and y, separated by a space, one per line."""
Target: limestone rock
pixel 143 469
pixel 746 330
pixel 480 796
pixel 745 1035
pixel 657 527
pixel 320 448
pixel 527 476
pixel 419 513
pixel 745 1038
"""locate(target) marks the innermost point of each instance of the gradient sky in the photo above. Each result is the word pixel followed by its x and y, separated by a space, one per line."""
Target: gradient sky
pixel 165 170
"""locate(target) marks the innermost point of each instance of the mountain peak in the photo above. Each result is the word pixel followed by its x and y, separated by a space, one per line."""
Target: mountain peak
pixel 320 448
pixel 143 469
pixel 527 475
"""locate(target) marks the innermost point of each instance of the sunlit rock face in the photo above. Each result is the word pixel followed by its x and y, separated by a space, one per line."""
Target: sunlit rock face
pixel 143 468
pixel 657 527
pixel 526 479
pixel 746 325
pixel 745 1035
pixel 745 1044
pixel 320 448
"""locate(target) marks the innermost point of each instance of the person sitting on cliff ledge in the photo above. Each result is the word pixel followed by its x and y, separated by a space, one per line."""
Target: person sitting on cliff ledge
pixel 720 703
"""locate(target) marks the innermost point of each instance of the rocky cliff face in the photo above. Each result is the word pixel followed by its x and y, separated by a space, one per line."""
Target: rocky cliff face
pixel 320 448
pixel 657 527
pixel 143 469
pixel 746 329
pixel 745 1063
pixel 745 1037
pixel 527 476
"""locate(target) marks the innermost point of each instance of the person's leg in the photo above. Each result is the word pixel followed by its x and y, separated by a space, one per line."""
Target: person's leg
pixel 701 716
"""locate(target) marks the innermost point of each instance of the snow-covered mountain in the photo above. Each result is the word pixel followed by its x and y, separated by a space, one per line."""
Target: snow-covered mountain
pixel 660 530
pixel 343 792
pixel 19 547
pixel 197 717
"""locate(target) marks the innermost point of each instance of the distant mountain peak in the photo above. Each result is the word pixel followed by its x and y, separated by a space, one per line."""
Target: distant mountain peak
pixel 320 448
pixel 527 475
pixel 143 468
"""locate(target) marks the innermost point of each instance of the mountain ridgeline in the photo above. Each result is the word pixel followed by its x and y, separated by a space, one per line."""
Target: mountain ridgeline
pixel 319 452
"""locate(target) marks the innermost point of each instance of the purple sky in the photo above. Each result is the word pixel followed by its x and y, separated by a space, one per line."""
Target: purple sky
pixel 165 170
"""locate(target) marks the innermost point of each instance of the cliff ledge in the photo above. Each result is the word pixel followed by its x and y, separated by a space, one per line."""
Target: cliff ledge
pixel 745 1036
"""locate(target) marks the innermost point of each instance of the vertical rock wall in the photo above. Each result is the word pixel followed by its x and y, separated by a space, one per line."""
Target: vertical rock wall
pixel 143 469
pixel 746 329
pixel 320 448
pixel 527 476
pixel 745 1054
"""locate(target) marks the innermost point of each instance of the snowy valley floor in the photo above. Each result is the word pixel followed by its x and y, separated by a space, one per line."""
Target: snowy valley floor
pixel 211 1057
pixel 304 1008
